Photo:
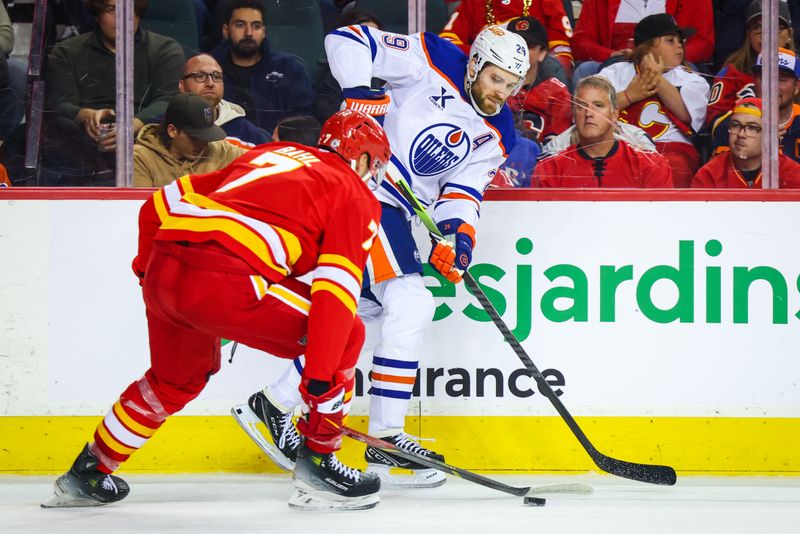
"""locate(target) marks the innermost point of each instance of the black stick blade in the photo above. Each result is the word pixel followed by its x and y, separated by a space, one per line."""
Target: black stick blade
pixel 652 474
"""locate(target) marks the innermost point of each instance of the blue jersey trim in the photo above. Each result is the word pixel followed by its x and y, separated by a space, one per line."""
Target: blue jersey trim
pixel 474 192
pixel 373 47
pixel 349 36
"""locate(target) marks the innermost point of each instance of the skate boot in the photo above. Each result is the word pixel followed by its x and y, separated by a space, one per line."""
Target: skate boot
pixel 322 482
pixel 282 441
pixel 381 462
pixel 85 485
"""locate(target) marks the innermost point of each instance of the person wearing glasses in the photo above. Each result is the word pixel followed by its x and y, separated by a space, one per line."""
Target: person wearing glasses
pixel 735 80
pixel 788 111
pixel 203 76
pixel 186 141
pixel 81 94
pixel 740 167
pixel 268 85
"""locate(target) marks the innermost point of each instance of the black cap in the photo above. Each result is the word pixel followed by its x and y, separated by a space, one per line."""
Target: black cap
pixel 659 25
pixel 194 115
pixel 530 29
pixel 754 10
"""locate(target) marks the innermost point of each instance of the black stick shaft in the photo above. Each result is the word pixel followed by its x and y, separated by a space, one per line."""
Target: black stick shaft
pixel 653 474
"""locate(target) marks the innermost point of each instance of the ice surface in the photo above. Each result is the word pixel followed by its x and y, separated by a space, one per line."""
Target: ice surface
pixel 258 503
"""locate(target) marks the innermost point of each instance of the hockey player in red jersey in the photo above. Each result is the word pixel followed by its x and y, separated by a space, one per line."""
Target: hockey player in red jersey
pixel 740 167
pixel 598 159
pixel 220 255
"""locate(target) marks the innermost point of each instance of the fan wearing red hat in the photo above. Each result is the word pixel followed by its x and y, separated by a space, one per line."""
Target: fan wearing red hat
pixel 740 167
pixel 660 95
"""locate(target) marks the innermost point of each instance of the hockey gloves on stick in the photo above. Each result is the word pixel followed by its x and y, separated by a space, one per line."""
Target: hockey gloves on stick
pixel 323 416
pixel 373 102
pixel 452 257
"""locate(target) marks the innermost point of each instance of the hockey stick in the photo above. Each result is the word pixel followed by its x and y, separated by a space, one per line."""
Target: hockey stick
pixel 463 473
pixel 653 474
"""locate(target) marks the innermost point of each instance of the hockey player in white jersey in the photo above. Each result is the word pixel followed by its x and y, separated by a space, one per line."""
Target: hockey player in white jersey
pixel 449 128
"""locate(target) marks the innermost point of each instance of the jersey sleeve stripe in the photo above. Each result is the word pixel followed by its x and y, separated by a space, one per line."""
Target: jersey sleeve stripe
pixel 340 276
pixel 335 290
pixel 349 35
pixel 469 190
pixel 373 47
pixel 290 298
pixel 459 196
pixel 341 261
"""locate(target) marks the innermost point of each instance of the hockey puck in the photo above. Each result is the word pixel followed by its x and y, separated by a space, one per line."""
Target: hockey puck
pixel 534 501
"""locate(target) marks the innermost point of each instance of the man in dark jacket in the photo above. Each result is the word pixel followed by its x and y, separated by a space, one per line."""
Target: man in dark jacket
pixel 268 85
pixel 81 93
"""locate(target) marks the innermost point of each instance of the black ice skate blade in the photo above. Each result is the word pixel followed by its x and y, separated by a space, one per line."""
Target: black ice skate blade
pixel 317 501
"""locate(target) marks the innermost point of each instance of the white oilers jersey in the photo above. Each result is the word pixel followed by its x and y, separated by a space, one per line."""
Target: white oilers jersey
pixel 440 145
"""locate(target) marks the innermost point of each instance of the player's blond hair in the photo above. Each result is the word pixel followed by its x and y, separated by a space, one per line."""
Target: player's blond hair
pixel 598 82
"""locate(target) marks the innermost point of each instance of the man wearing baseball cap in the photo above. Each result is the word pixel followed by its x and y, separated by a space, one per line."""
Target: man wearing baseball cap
pixel 788 111
pixel 185 142
pixel 740 166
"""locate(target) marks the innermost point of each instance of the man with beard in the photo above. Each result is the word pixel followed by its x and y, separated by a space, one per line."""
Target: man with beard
pixel 268 85
pixel 740 166
pixel 185 142
pixel 446 118
pixel 203 76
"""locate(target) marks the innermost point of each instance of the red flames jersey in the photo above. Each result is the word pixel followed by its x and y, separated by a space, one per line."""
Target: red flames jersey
pixel 729 87
pixel 720 173
pixel 286 210
pixel 551 102
pixel 470 18
pixel 623 166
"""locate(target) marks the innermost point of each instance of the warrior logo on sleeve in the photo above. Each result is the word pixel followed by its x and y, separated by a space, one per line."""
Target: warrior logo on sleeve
pixel 438 148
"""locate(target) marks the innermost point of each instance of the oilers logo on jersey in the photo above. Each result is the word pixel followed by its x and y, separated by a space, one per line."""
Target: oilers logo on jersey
pixel 438 148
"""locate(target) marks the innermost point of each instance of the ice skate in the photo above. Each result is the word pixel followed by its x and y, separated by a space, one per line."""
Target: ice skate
pixel 382 462
pixel 85 485
pixel 322 482
pixel 280 444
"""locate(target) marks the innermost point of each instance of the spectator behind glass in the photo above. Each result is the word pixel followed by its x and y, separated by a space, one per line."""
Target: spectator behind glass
pixel 300 129
pixel 472 16
pixel 541 108
pixel 328 99
pixel 788 111
pixel 740 166
pixel 735 80
pixel 605 30
pixel 268 85
pixel 81 94
pixel 202 76
pixel 186 141
pixel 598 159
pixel 12 80
pixel 660 95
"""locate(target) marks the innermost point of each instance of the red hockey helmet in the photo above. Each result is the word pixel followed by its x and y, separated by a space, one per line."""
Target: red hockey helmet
pixel 351 133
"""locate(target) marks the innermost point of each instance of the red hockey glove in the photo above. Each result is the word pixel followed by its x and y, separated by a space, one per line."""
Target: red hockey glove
pixel 373 102
pixel 323 418
pixel 451 259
